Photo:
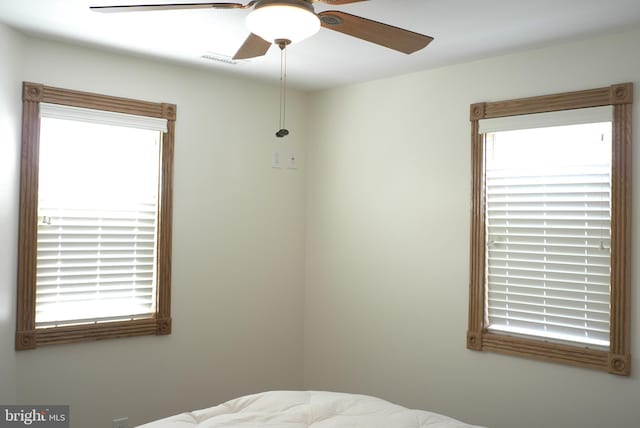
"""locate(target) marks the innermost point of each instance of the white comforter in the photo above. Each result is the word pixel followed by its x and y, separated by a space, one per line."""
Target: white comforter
pixel 310 409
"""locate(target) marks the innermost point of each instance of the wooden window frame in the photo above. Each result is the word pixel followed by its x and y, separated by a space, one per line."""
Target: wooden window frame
pixel 617 359
pixel 27 335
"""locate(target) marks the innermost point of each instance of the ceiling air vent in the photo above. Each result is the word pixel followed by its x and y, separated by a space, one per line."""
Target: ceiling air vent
pixel 219 57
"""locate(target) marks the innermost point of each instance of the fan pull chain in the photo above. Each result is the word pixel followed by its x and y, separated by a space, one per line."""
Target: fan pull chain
pixel 282 44
pixel 283 89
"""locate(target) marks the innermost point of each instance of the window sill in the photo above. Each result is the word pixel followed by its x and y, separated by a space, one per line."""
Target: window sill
pixel 89 332
pixel 550 351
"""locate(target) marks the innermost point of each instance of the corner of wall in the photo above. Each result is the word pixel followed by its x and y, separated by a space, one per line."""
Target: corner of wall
pixel 10 113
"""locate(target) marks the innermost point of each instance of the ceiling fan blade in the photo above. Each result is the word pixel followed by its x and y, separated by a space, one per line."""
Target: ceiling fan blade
pixel 253 47
pixel 339 2
pixel 385 35
pixel 175 6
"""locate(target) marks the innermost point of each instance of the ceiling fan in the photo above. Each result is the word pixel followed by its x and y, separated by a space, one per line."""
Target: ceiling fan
pixel 282 22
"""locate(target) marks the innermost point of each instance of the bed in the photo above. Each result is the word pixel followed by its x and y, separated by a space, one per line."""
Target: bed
pixel 307 409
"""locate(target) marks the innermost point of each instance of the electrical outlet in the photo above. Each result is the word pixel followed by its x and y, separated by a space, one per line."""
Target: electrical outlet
pixel 120 423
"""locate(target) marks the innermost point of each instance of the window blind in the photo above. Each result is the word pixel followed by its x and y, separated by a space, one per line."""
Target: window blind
pixel 545 120
pixel 95 265
pixel 80 114
pixel 548 250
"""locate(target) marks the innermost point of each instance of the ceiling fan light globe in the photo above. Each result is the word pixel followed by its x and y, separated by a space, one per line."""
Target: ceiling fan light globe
pixel 282 21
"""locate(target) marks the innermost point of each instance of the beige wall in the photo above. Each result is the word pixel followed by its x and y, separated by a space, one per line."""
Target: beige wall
pixel 388 209
pixel 10 116
pixel 365 222
pixel 238 230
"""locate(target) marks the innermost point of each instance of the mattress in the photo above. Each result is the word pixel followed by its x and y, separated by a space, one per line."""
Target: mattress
pixel 307 409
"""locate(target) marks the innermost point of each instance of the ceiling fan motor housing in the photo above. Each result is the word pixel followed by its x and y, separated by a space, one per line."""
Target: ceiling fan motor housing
pixel 293 20
pixel 295 3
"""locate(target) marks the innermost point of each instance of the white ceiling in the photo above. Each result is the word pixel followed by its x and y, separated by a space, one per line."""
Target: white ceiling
pixel 464 30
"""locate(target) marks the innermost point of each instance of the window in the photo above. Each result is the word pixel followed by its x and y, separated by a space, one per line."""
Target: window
pixel 95 217
pixel 550 238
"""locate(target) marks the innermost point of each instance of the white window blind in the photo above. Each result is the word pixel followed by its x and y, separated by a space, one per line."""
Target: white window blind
pixel 80 114
pixel 545 120
pixel 548 232
pixel 94 264
pixel 97 220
